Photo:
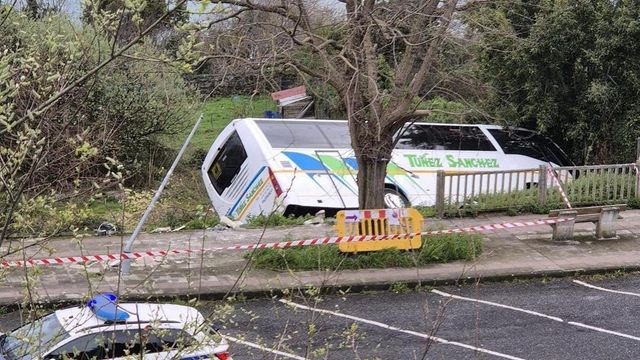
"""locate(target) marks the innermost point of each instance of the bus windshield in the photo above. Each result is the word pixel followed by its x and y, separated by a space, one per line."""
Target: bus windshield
pixel 529 143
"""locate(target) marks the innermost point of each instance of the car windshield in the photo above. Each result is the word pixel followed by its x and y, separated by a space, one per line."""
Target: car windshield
pixel 32 340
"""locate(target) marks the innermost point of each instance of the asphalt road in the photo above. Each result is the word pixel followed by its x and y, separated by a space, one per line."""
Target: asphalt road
pixel 558 319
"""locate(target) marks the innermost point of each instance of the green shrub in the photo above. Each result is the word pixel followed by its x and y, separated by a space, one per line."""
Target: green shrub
pixel 426 211
pixel 399 288
pixel 435 249
pixel 634 203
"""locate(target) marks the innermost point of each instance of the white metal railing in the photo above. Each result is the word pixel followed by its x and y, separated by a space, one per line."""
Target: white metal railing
pixel 503 189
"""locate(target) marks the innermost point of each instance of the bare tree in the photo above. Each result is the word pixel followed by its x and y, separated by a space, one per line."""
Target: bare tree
pixel 378 56
pixel 39 8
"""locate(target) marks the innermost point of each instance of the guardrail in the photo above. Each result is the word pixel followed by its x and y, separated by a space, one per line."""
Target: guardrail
pixel 505 189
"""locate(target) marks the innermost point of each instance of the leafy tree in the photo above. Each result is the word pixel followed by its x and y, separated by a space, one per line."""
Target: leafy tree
pixel 52 152
pixel 570 69
pixel 133 16
pixel 39 8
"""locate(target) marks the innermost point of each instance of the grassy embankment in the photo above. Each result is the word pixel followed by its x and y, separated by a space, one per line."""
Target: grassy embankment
pixel 184 201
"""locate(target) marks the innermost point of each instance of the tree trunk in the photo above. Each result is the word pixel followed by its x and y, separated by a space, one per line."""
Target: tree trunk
pixel 33 8
pixel 372 146
pixel 371 175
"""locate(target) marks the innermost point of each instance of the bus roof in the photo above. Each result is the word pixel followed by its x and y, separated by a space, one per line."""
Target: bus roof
pixel 486 126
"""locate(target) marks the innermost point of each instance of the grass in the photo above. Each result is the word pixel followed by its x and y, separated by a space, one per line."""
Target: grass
pixel 435 249
pixel 218 113
pixel 275 219
pixel 399 288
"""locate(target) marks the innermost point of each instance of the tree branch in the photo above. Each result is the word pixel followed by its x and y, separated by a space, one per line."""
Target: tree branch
pixel 225 18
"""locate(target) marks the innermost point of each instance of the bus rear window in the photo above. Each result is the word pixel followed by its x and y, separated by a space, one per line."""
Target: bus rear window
pixel 227 163
pixel 529 143
pixel 306 134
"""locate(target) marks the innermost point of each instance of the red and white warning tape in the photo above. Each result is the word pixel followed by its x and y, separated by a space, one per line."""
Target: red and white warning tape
pixel 564 196
pixel 274 245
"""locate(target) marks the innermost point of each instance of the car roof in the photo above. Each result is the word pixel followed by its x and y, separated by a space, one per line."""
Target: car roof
pixel 81 319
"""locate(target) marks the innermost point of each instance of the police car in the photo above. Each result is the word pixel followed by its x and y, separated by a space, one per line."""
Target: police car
pixel 105 329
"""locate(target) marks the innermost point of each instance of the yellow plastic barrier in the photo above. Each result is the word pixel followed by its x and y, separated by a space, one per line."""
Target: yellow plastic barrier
pixel 379 222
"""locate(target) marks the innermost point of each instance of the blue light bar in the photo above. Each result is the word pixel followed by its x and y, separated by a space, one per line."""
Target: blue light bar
pixel 105 308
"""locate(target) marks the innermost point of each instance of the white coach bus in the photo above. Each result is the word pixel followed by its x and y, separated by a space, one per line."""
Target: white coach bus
pixel 303 166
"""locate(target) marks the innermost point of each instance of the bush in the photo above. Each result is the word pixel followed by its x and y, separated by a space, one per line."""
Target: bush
pixel 120 112
pixel 435 249
pixel 142 105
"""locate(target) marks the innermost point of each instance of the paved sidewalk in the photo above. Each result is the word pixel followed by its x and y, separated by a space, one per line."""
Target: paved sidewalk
pixel 514 252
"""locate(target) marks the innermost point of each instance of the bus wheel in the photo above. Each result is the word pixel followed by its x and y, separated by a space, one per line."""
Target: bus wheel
pixel 393 199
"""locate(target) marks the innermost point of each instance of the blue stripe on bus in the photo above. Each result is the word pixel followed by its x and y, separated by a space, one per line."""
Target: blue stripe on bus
pixel 244 192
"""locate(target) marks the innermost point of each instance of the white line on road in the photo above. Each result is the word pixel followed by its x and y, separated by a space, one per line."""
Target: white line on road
pixel 611 332
pixel 441 293
pixel 260 347
pixel 604 289
pixel 604 330
pixel 414 333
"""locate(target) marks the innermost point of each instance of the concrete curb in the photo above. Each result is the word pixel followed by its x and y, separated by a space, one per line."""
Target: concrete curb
pixel 327 289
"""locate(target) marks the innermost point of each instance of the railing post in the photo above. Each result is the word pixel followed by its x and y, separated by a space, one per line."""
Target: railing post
pixel 440 193
pixel 542 185
pixel 637 169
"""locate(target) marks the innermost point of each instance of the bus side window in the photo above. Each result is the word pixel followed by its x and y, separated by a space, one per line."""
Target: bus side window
pixel 415 138
pixel 513 143
pixel 475 139
pixel 466 138
pixel 227 163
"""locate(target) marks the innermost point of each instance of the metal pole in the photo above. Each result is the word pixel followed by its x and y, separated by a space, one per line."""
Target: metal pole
pixel 126 264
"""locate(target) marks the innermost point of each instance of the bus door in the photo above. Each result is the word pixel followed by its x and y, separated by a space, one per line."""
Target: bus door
pixel 341 176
